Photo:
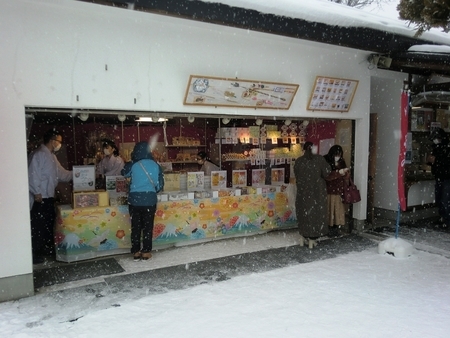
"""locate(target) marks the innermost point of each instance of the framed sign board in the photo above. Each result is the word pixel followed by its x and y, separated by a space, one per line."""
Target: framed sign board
pixel 224 92
pixel 332 94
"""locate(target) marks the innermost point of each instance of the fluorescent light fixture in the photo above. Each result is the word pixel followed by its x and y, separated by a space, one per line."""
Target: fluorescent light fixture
pixel 422 108
pixel 151 119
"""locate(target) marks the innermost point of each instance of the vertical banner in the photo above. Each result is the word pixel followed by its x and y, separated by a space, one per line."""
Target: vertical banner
pixel 401 156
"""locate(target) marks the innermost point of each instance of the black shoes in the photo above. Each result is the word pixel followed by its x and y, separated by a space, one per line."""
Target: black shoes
pixel 334 231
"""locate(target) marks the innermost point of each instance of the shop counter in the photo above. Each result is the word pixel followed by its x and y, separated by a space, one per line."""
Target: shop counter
pixel 85 233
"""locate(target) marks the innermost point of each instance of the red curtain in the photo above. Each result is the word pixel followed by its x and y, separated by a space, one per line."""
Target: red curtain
pixel 401 156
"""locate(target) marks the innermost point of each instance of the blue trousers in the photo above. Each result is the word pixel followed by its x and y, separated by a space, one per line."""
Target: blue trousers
pixel 442 197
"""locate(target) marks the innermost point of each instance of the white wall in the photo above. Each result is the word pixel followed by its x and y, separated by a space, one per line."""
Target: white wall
pixel 54 50
pixel 385 101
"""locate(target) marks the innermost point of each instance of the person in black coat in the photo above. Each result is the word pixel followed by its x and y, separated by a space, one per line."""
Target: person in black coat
pixel 439 159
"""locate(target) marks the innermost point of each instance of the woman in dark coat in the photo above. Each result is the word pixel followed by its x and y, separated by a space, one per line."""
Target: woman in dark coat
pixel 311 201
pixel 339 176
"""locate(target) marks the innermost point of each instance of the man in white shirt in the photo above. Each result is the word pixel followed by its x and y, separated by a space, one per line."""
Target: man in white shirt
pixel 44 173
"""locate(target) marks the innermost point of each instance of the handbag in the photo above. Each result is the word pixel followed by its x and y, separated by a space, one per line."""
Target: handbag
pixel 350 193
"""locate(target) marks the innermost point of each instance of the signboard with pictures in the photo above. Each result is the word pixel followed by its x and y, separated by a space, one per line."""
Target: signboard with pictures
pixel 239 178
pixel 277 176
pixel 172 182
pixel 117 188
pixel 195 180
pixel 332 94
pixel 232 92
pixel 258 177
pixel 83 177
pixel 218 179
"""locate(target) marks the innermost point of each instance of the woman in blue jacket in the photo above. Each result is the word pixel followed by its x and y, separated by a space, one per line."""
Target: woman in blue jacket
pixel 146 180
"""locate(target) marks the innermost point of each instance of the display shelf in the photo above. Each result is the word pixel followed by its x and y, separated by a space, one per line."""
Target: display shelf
pixel 185 146
pixel 181 162
pixel 236 160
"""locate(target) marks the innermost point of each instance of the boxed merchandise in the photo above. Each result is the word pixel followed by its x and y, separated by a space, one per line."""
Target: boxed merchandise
pixel 195 181
pixel 162 197
pixel 179 196
pixel 277 176
pixel 172 182
pixel 268 189
pixel 90 199
pixel 203 194
pixel 239 178
pixel 218 179
pixel 258 177
pixel 117 188
pixel 83 177
pixel 226 192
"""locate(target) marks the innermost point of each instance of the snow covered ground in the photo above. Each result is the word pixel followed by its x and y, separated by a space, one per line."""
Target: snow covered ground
pixel 354 295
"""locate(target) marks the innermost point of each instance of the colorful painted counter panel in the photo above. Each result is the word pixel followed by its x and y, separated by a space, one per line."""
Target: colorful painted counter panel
pixel 92 232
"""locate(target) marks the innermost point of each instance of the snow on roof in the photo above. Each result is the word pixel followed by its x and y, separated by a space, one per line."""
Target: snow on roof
pixel 334 14
pixel 436 49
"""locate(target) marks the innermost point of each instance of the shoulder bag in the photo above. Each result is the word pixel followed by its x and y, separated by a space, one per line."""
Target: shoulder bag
pixel 350 193
pixel 149 178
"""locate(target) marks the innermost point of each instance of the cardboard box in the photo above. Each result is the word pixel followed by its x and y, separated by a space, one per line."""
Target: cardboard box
pixel 83 177
pixel 87 199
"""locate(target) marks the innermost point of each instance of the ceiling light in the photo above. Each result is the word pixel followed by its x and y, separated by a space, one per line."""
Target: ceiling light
pixel 287 122
pixel 373 59
pixel 121 117
pixel 151 119
pixel 225 120
pixel 83 116
pixel 258 122
pixel 191 119
pixel 305 123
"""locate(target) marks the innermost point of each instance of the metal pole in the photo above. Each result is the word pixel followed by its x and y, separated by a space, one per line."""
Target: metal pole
pixel 74 138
